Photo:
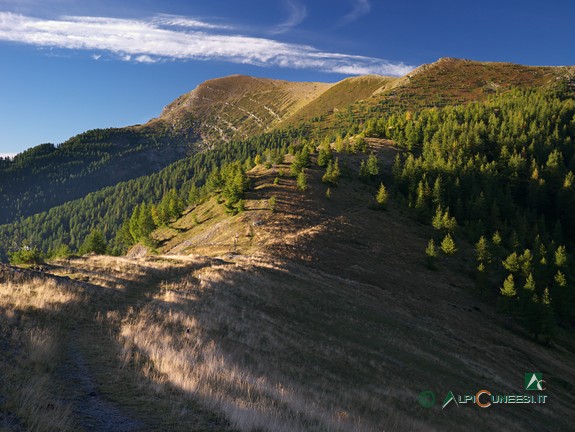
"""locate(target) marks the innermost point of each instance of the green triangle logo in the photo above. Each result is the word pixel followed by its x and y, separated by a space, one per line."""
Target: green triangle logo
pixel 450 397
pixel 533 381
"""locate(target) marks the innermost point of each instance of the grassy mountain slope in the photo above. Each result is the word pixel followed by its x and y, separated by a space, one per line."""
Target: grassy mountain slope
pixel 109 207
pixel 452 81
pixel 238 106
pixel 341 95
pixel 217 111
pixel 320 315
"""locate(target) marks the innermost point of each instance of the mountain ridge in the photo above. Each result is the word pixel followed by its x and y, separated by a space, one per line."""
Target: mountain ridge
pixel 237 107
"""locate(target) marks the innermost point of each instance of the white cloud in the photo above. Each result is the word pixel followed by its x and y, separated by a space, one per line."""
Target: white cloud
pixel 297 13
pixel 180 21
pixel 10 155
pixel 360 7
pixel 144 59
pixel 149 41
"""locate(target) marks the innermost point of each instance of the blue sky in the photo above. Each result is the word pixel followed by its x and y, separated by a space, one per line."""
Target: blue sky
pixel 68 65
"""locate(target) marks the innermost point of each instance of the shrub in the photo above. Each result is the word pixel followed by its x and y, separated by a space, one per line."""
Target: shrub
pixel 26 255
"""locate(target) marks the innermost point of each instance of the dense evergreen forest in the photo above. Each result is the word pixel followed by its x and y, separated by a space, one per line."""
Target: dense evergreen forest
pixel 106 210
pixel 47 175
pixel 501 171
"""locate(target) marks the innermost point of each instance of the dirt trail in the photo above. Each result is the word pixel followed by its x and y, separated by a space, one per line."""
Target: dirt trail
pixel 91 409
pixel 104 395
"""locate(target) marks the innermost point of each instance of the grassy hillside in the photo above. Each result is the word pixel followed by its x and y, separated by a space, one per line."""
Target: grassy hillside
pixel 238 106
pixel 320 315
pixel 108 208
pixel 283 297
pixel 340 96
pixel 452 81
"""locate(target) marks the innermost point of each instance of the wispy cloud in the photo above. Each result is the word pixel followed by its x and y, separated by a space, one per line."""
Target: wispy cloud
pixel 297 13
pixel 150 41
pixel 185 22
pixel 360 7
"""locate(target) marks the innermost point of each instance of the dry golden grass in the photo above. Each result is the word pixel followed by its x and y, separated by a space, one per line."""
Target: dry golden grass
pixel 27 381
pixel 335 324
pixel 325 319
pixel 199 335
pixel 30 307
pixel 36 292
pixel 238 106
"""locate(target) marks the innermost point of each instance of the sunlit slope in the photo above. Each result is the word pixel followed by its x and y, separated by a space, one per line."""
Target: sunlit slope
pixel 238 106
pixel 342 95
pixel 331 301
pixel 451 81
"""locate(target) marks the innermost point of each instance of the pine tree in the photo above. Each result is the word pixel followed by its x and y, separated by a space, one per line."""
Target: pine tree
pixel 175 204
pixel 372 166
pixel 146 222
pixel 26 255
pixel 530 284
pixel 436 195
pixel 430 254
pixel 302 181
pixel 480 278
pixel 300 162
pixel 511 263
pixel 449 223
pixel 482 251
pixel 526 263
pixel 437 220
pixel 496 239
pixel 381 197
pixel 508 289
pixel 61 252
pixel 123 239
pixel 560 279
pixel 325 155
pixel 340 145
pixel 561 257
pixel 272 204
pixel 134 223
pixel 332 173
pixel 95 242
pixel 421 202
pixel 363 170
pixel 448 245
pixel 361 143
